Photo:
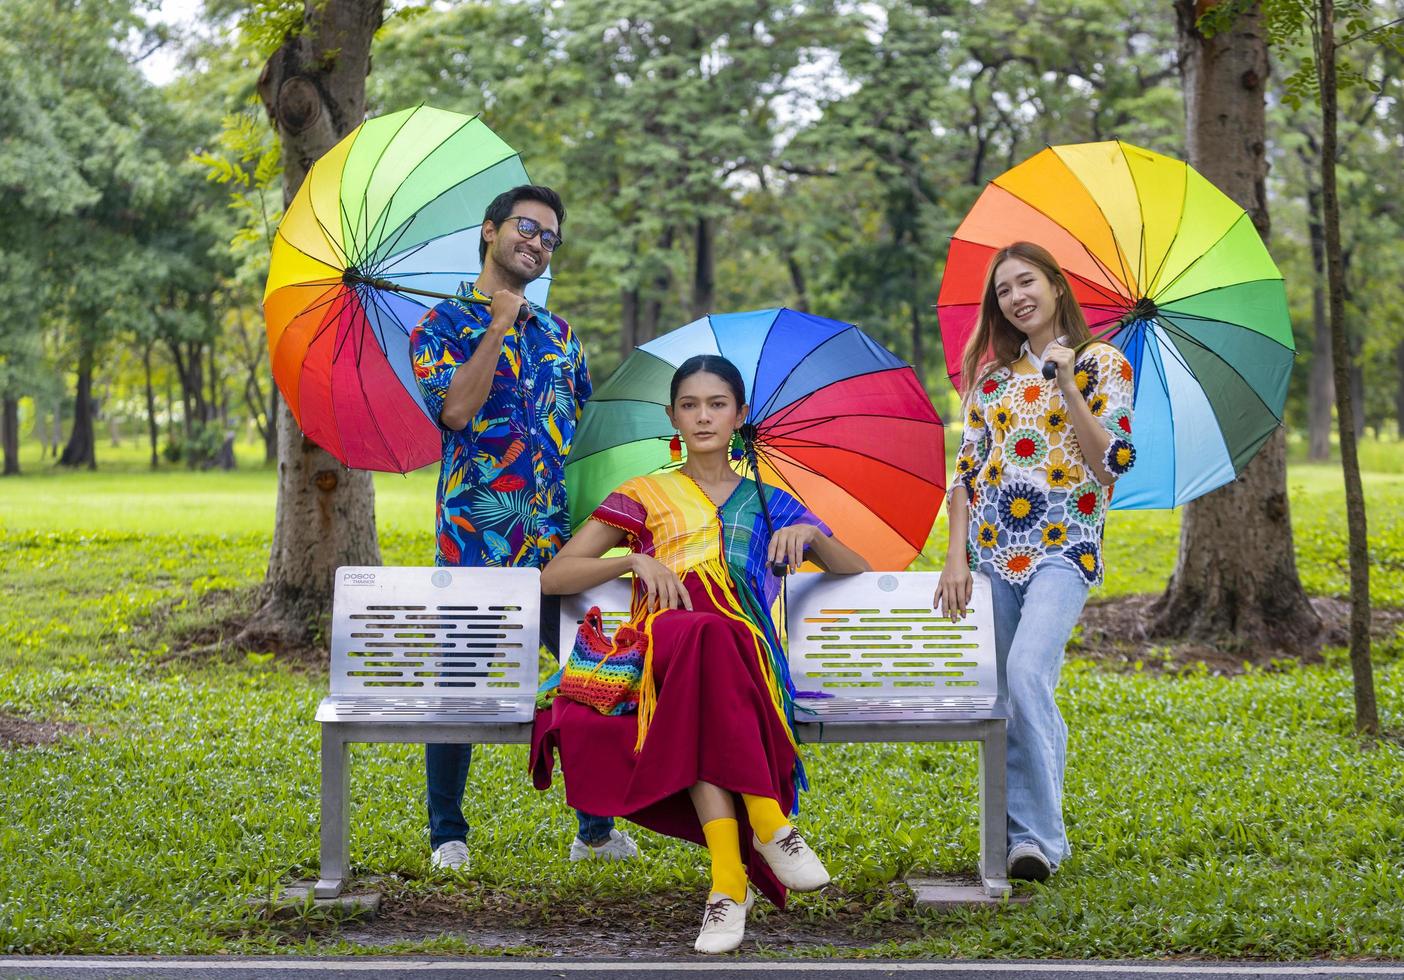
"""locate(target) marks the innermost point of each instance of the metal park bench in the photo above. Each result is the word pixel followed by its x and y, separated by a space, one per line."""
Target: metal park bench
pixel 450 655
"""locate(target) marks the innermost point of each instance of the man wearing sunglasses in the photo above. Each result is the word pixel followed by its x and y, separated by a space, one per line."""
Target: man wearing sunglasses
pixel 506 379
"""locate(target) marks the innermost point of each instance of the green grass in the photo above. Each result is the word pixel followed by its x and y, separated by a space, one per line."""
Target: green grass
pixel 1209 816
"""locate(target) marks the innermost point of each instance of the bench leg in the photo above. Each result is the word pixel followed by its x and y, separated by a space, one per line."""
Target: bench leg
pixel 335 816
pixel 994 813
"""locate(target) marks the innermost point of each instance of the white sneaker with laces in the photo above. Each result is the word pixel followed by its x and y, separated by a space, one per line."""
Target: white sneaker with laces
pixel 1027 863
pixel 723 923
pixel 619 847
pixel 450 856
pixel 793 861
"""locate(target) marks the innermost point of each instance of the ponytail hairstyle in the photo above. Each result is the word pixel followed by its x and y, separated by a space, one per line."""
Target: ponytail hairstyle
pixel 996 341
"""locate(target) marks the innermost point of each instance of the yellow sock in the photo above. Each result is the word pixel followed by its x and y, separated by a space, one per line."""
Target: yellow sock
pixel 724 843
pixel 765 815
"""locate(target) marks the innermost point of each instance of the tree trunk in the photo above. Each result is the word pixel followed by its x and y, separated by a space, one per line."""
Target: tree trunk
pixel 9 434
pixel 114 428
pixel 1399 389
pixel 1235 581
pixel 652 316
pixel 270 439
pixel 1357 393
pixel 628 321
pixel 313 89
pixel 151 410
pixel 57 430
pixel 797 280
pixel 80 450
pixel 704 279
pixel 1367 718
pixel 1320 394
pixel 918 328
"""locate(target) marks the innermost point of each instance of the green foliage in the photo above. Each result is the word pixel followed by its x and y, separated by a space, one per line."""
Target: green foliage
pixel 249 162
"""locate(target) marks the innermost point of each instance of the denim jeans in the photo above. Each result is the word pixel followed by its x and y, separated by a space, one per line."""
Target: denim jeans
pixel 446 767
pixel 1032 624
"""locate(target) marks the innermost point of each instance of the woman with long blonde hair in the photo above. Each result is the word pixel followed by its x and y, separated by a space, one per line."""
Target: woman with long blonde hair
pixel 1035 472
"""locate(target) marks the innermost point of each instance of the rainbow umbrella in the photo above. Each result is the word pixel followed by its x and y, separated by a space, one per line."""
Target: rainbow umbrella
pixel 840 422
pixel 1172 272
pixel 386 223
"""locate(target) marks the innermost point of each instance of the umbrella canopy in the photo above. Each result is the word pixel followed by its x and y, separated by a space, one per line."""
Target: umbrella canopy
pixel 1172 272
pixel 842 424
pixel 400 201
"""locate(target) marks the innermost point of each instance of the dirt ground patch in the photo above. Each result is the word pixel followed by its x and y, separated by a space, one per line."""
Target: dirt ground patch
pixel 22 733
pixel 665 924
pixel 1113 633
pixel 208 632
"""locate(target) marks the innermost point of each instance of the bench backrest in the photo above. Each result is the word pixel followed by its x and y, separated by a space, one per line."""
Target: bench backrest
pixel 436 632
pixel 877 635
pixel 873 634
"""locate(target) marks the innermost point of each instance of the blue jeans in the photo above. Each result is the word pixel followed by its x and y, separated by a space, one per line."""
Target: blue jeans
pixel 446 775
pixel 446 767
pixel 1032 624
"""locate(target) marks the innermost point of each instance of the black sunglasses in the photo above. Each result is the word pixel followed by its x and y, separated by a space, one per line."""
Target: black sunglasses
pixel 530 228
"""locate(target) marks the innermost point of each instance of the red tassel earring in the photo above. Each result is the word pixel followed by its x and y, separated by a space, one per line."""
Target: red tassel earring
pixel 675 448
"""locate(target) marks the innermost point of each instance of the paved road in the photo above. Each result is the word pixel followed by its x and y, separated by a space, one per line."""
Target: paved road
pixel 299 968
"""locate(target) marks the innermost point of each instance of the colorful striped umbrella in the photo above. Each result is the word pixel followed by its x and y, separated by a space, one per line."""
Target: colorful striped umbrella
pixel 1172 272
pixel 385 223
pixel 841 423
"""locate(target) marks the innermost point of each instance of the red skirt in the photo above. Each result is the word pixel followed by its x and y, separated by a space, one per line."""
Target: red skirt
pixel 715 722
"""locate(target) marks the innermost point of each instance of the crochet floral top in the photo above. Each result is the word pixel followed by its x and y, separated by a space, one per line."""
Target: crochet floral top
pixel 1033 498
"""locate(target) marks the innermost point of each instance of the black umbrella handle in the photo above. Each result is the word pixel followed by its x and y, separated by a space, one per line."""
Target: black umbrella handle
pixel 749 432
pixel 355 278
pixel 1145 309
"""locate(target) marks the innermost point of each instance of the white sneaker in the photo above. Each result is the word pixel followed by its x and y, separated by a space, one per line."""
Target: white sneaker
pixel 1027 863
pixel 793 861
pixel 619 847
pixel 450 856
pixel 724 923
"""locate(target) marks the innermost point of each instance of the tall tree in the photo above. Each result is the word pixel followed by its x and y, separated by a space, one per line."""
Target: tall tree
pixel 1235 579
pixel 313 89
pixel 1367 717
pixel 1323 74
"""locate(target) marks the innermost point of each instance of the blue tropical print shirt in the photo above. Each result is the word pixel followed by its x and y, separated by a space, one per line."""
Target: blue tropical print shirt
pixel 502 498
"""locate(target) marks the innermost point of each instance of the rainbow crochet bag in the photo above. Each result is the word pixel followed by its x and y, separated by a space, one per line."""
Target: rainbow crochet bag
pixel 607 674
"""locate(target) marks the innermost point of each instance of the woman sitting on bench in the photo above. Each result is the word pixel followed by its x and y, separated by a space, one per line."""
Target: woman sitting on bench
pixel 715 702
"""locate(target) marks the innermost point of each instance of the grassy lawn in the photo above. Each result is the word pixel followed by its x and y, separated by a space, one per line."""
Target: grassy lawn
pixel 1234 817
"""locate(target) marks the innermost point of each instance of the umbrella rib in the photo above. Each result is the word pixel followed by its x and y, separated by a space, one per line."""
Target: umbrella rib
pixel 404 226
pixel 1172 329
pixel 772 431
pixel 345 298
pixel 370 177
pixel 768 412
pixel 1141 212
pixel 301 251
pixel 1120 252
pixel 1171 308
pixel 361 383
pixel 326 234
pixel 767 409
pixel 807 444
pixel 413 170
pixel 1213 245
pixel 1172 312
pixel 1184 196
pixel 801 466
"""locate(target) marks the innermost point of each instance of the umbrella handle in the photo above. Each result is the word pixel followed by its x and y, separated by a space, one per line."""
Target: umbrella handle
pixel 1145 309
pixel 1050 370
pixel 351 278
